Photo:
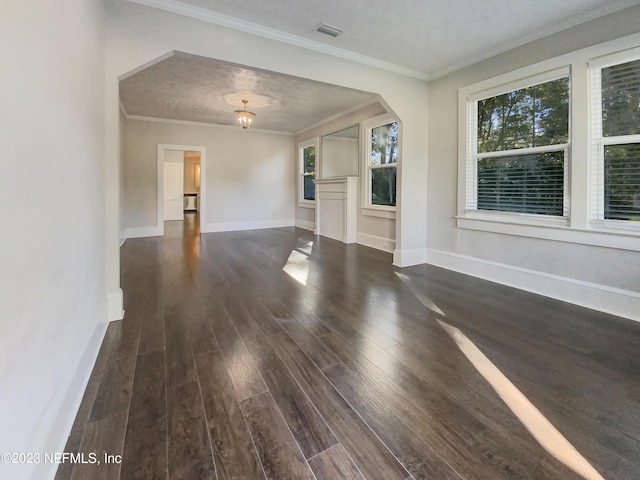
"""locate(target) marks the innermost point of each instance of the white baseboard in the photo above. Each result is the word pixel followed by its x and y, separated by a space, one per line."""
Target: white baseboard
pixel 59 433
pixel 407 258
pixel 115 306
pixel 624 303
pixel 307 225
pixel 141 232
pixel 252 225
pixel 374 241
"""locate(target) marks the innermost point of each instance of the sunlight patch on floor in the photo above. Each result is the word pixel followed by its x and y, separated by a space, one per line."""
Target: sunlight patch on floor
pixel 542 430
pixel 426 301
pixel 297 266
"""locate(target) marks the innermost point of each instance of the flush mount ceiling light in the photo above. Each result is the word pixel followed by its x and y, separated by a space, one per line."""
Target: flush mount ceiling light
pixel 244 116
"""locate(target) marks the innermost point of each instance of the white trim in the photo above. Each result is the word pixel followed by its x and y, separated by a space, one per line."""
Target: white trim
pixel 379 211
pixel 65 418
pixel 598 142
pixel 609 60
pixel 407 258
pixel 375 241
pixel 144 66
pixel 365 143
pixel 606 299
pixel 115 306
pixel 209 16
pixel 302 146
pixel 189 123
pixel 583 180
pixel 305 224
pixel 469 156
pixel 344 113
pixel 123 236
pixel 160 182
pixel 143 232
pixel 506 83
pixel 614 239
pixel 250 225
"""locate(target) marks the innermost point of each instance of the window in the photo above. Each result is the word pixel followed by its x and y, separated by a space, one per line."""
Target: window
pixel 308 170
pixel 615 87
pixel 382 165
pixel 552 150
pixel 518 151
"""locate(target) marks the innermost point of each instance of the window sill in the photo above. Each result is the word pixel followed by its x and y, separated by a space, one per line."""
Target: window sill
pixel 306 204
pixel 553 229
pixel 380 212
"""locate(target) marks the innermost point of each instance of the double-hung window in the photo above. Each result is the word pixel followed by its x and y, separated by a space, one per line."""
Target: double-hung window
pixel 518 148
pixel 615 140
pixel 308 173
pixel 382 156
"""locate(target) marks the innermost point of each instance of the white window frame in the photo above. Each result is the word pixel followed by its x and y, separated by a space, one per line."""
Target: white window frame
pixel 599 142
pixel 368 208
pixel 472 156
pixel 303 202
pixel 579 227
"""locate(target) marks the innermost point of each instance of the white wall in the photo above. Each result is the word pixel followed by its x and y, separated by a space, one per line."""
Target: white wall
pixel 499 256
pixel 137 35
pixel 121 198
pixel 52 274
pixel 250 176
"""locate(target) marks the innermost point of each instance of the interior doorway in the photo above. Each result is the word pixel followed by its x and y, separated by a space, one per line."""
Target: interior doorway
pixel 181 183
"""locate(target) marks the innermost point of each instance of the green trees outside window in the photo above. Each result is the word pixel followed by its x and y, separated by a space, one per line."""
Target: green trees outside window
pixel 531 125
pixel 620 120
pixel 382 164
pixel 309 173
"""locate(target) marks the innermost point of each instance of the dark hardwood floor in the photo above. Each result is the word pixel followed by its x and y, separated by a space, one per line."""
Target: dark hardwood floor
pixel 226 367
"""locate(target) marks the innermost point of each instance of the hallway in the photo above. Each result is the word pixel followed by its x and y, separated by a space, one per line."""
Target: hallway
pixel 277 354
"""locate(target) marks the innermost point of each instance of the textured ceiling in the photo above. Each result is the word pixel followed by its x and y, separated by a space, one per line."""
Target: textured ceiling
pixel 428 36
pixel 197 89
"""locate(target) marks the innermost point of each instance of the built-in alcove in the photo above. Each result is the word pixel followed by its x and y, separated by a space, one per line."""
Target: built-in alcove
pixel 337 188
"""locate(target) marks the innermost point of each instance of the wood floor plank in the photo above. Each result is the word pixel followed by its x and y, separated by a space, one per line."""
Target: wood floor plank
pixel 369 454
pixel 86 405
pixel 104 436
pixel 384 413
pixel 280 455
pixel 310 344
pixel 65 470
pixel 145 448
pixel 460 438
pixel 309 429
pixel 228 431
pixel 202 338
pixel 261 316
pixel 401 394
pixel 179 356
pixel 334 463
pixel 189 450
pixel 246 380
pixel 114 391
pixel 152 330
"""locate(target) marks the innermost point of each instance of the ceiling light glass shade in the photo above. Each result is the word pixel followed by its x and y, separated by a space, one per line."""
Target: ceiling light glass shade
pixel 244 116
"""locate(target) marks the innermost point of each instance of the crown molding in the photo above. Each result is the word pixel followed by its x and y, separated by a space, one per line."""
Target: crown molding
pixel 339 115
pixel 210 16
pixel 188 123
